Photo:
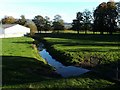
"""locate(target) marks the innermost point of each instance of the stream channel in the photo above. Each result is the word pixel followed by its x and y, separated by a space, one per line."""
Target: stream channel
pixel 64 71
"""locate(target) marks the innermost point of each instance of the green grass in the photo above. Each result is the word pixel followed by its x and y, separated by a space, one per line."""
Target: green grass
pixel 89 80
pixel 105 47
pixel 23 68
pixel 19 47
pixel 21 62
pixel 89 51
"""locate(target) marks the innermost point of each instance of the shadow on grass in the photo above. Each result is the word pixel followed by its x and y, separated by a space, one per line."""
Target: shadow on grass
pixel 19 70
pixel 94 50
pixel 90 37
pixel 89 40
pixel 22 70
pixel 110 71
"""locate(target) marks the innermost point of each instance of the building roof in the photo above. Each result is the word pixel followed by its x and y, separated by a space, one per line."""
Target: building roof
pixel 4 26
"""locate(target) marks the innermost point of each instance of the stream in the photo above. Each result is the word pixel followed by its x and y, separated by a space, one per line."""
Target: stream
pixel 64 71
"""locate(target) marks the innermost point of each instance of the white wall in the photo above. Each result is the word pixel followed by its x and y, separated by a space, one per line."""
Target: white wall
pixel 16 31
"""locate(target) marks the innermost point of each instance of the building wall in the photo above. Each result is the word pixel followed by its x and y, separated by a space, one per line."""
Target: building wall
pixel 15 31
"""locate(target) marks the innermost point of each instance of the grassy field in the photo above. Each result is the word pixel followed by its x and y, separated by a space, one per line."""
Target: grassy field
pixel 82 47
pixel 100 52
pixel 21 62
pixel 24 69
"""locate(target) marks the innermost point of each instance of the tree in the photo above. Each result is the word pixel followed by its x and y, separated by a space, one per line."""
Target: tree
pixel 21 21
pixel 47 25
pixel 8 20
pixel 111 16
pixel 40 22
pixel 86 20
pixel 100 19
pixel 118 10
pixel 58 23
pixel 78 22
pixel 105 17
pixel 32 26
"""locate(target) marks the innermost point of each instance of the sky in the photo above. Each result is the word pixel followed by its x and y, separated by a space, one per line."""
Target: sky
pixel 31 8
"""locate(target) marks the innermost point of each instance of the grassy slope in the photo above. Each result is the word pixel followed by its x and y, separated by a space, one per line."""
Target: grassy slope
pixel 20 62
pixel 21 69
pixel 82 47
pixel 101 52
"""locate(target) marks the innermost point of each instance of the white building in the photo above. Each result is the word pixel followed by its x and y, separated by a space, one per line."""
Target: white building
pixel 13 30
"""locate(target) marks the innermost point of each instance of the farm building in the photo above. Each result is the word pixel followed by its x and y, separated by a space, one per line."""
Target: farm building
pixel 13 30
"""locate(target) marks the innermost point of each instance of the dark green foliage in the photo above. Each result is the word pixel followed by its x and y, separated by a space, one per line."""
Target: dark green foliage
pixel 78 22
pixel 47 25
pixel 105 16
pixel 40 22
pixel 87 18
pixel 58 23
pixel 21 21
pixel 43 24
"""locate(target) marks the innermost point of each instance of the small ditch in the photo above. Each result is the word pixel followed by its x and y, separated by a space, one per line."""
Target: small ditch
pixel 64 71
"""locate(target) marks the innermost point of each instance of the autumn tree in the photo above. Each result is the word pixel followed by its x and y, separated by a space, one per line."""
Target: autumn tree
pixel 33 28
pixel 8 20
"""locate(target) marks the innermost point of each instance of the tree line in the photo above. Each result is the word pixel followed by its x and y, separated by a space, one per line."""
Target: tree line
pixel 103 19
pixel 38 24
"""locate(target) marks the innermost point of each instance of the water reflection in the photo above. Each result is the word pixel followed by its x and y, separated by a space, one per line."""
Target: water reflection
pixel 64 71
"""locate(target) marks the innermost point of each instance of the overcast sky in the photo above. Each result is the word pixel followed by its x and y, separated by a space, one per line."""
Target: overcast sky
pixel 30 8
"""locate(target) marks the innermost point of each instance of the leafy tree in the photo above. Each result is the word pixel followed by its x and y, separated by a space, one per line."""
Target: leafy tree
pixel 111 16
pixel 118 10
pixel 100 19
pixel 47 25
pixel 32 26
pixel 8 20
pixel 40 22
pixel 75 25
pixel 78 22
pixel 86 20
pixel 58 23
pixel 105 17
pixel 21 21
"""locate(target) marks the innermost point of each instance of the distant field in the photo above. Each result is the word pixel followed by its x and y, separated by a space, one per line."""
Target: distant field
pixel 24 69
